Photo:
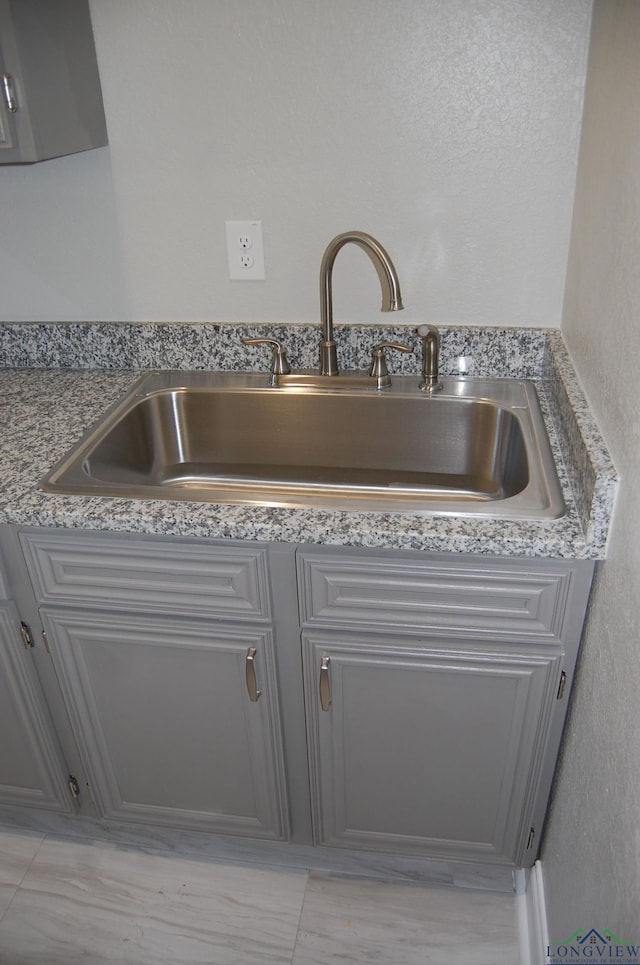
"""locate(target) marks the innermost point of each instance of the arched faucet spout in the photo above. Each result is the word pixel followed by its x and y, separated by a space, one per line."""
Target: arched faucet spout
pixel 389 284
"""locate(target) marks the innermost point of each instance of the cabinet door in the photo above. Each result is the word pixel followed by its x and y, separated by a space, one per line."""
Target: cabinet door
pixel 167 723
pixel 50 83
pixel 427 750
pixel 32 770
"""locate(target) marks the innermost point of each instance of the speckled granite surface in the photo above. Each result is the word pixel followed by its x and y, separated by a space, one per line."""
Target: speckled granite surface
pixel 498 352
pixel 45 410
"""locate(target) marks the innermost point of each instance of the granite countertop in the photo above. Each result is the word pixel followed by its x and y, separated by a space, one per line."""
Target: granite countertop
pixel 58 379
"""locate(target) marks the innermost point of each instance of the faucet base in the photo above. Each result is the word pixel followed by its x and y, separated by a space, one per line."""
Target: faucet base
pixel 328 358
pixel 430 387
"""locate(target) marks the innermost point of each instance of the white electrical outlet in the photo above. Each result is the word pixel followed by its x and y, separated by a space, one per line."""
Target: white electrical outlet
pixel 245 251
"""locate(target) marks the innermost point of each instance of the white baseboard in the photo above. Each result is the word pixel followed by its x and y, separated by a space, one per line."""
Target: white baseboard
pixel 531 913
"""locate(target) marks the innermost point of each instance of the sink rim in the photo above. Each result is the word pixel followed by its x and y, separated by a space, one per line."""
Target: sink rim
pixel 540 499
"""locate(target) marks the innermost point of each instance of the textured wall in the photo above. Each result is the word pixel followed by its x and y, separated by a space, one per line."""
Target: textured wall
pixel 447 128
pixel 592 848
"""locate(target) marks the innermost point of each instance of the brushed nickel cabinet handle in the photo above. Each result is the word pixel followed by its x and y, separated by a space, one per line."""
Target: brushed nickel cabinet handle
pixel 9 93
pixel 325 684
pixel 250 673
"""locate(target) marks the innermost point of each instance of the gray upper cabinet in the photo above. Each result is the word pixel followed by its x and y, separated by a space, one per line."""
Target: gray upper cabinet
pixel 32 770
pixel 51 102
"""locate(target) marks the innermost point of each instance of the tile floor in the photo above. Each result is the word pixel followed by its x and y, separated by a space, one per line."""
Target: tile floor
pixel 73 902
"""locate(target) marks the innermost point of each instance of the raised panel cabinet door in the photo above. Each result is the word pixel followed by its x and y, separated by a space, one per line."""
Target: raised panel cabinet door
pixel 177 723
pixel 32 770
pixel 426 750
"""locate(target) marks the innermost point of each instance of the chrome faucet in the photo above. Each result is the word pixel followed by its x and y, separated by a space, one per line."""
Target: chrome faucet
pixel 391 297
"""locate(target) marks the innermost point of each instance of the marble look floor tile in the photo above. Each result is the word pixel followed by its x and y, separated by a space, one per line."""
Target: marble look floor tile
pixel 344 920
pixel 219 847
pixel 17 850
pixel 483 877
pixel 80 903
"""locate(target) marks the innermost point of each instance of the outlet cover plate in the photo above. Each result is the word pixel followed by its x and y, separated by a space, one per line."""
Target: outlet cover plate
pixel 245 250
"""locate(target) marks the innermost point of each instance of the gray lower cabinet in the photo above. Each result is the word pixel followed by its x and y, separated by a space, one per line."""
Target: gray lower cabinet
pixel 176 721
pixel 422 748
pixel 164 653
pixel 402 703
pixel 436 691
pixel 32 771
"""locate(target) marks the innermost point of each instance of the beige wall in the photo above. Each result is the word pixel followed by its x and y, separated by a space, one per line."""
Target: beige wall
pixel 447 128
pixel 591 855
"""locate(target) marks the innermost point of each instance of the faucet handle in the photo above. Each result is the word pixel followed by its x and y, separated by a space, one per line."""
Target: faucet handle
pixel 279 363
pixel 379 370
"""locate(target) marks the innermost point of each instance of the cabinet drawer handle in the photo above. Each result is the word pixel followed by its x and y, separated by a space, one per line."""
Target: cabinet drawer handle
pixel 325 684
pixel 250 673
pixel 9 93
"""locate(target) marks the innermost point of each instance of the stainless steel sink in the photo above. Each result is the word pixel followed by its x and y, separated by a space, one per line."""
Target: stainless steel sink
pixel 477 448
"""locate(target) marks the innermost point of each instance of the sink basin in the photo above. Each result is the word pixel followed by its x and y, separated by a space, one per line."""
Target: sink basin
pixel 477 448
